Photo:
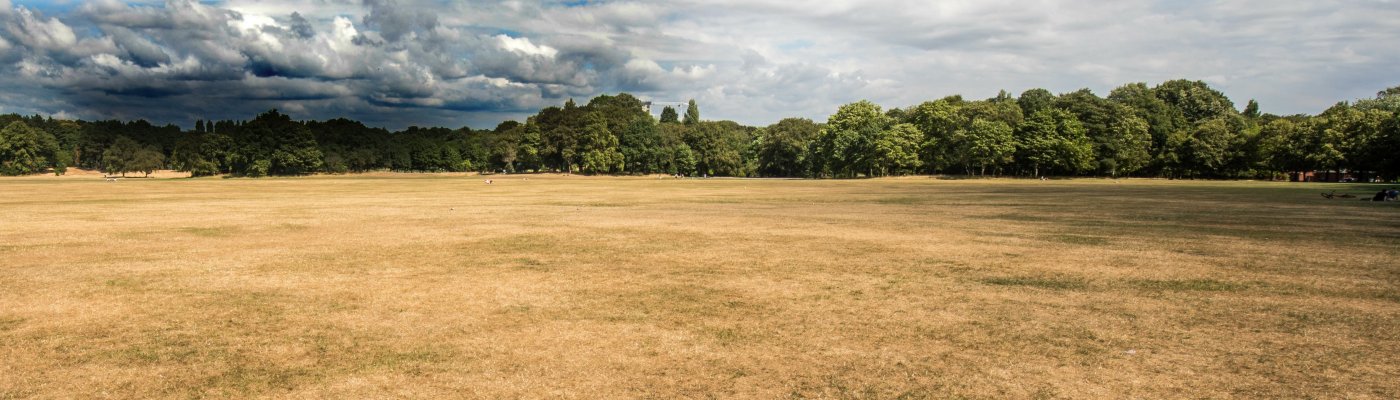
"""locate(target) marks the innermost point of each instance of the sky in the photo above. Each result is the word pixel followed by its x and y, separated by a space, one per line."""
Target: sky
pixel 400 63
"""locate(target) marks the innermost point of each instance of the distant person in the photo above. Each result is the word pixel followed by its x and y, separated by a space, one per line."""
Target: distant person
pixel 1380 196
pixel 488 181
pixel 1391 194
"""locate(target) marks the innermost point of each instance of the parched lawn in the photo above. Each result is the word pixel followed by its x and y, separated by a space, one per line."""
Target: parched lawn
pixel 436 286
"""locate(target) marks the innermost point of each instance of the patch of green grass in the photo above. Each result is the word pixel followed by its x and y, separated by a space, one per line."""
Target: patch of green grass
pixel 1203 285
pixel 10 323
pixel 245 378
pixel 1059 283
pixel 398 360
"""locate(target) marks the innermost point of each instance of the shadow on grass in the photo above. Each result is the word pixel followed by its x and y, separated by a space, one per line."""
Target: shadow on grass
pixel 1039 282
pixel 1203 285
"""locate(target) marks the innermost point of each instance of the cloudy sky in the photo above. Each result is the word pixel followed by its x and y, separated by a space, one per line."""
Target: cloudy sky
pixel 447 63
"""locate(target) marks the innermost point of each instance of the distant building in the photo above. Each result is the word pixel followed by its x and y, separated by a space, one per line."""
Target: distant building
pixel 678 105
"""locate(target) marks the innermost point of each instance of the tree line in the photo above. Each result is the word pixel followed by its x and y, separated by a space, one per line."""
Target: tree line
pixel 1178 129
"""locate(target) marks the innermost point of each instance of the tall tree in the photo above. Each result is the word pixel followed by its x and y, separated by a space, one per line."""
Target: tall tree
pixel 692 113
pixel 121 156
pixel 146 160
pixel 287 146
pixel 1166 125
pixel 598 146
pixel 1126 145
pixel 984 143
pixel 641 147
pixel 783 147
pixel 1208 147
pixel 1035 100
pixel 939 121
pixel 1054 140
pixel 1252 109
pixel 896 150
pixel 1196 100
pixel 848 139
pixel 23 149
pixel 717 147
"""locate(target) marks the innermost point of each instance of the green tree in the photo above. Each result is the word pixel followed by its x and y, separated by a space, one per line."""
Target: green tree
pixel 692 113
pixel 939 122
pixel 1035 100
pixel 1283 146
pixel 668 115
pixel 560 131
pixel 1389 146
pixel 1054 140
pixel 146 160
pixel 288 146
pixel 641 147
pixel 1196 100
pixel 783 147
pixel 1385 100
pixel 847 142
pixel 717 147
pixel 120 157
pixel 194 155
pixel 683 160
pixel 598 146
pixel 1166 125
pixel 505 145
pixel 1126 145
pixel 22 149
pixel 1252 109
pixel 1208 147
pixel 984 143
pixel 896 150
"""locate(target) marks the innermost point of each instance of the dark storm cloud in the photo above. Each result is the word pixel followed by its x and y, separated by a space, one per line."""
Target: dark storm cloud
pixel 430 62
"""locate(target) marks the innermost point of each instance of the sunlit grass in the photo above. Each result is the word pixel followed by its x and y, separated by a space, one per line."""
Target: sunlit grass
pixel 584 287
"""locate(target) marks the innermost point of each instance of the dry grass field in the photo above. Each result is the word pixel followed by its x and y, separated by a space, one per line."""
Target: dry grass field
pixel 433 286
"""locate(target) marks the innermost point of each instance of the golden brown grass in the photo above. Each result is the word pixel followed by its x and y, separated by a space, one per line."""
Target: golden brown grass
pixel 576 287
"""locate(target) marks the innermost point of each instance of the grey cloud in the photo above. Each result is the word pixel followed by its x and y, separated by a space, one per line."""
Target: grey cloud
pixel 138 49
pixel 396 22
pixel 301 26
pixel 428 62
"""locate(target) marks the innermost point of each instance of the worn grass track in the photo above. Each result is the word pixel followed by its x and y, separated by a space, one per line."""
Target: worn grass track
pixel 577 287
